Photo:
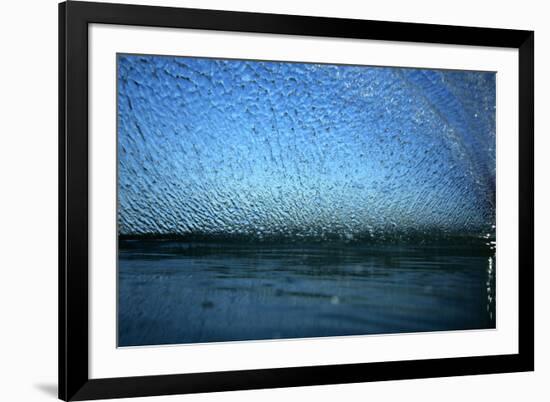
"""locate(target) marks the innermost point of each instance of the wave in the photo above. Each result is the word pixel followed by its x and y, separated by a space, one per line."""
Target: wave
pixel 271 150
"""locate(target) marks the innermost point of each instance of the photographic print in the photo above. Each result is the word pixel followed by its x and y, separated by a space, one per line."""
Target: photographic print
pixel 273 200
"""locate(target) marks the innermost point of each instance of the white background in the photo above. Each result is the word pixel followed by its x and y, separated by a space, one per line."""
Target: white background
pixel 28 210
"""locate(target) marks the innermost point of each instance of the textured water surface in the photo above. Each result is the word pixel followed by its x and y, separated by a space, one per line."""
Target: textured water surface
pixel 267 149
pixel 261 200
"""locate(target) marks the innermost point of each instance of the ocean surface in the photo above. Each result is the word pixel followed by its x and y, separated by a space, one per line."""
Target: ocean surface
pixel 177 292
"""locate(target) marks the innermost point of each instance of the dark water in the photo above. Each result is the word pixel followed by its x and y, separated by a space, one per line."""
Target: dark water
pixel 186 292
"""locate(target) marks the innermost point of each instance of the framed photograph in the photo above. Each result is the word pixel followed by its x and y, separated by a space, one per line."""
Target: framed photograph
pixel 255 200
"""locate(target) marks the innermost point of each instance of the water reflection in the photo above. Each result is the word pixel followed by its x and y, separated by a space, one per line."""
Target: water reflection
pixel 186 292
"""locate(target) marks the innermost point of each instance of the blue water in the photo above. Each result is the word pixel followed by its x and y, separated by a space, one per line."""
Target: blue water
pixel 223 147
pixel 186 292
pixel 261 200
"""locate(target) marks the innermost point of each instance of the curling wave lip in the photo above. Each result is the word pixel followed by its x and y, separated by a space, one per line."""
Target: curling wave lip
pixel 257 150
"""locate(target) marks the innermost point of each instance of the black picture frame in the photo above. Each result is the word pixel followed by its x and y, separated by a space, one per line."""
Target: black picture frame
pixel 74 381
